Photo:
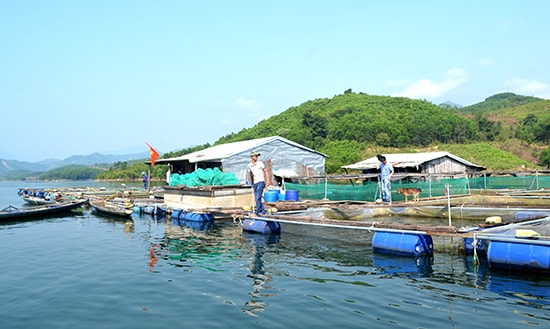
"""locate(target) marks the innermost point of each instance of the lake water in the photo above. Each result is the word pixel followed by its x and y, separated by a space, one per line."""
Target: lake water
pixel 87 271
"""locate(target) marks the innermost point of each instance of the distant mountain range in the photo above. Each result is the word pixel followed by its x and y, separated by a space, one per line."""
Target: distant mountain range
pixel 87 160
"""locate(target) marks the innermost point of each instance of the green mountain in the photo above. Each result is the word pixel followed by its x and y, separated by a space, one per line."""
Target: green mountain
pixel 500 101
pixel 352 126
pixel 505 132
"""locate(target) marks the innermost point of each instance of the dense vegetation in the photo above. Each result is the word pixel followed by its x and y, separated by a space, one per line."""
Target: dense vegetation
pixel 350 127
pixel 504 132
pixel 71 172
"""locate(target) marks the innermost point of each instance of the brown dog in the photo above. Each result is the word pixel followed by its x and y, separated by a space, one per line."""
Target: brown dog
pixel 414 191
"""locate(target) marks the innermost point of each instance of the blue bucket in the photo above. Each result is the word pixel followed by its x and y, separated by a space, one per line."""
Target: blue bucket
pixel 282 196
pixel 271 196
pixel 291 195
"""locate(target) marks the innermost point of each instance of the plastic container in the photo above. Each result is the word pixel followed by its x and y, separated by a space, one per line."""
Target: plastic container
pixel 402 243
pixel 261 226
pixel 282 196
pixel 191 216
pixel 515 255
pixel 271 196
pixel 291 195
pixel 196 217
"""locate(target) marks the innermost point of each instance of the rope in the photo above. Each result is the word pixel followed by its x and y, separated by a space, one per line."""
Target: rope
pixel 475 259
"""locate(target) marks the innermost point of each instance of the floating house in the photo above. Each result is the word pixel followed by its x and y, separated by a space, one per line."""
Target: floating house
pixel 428 163
pixel 283 158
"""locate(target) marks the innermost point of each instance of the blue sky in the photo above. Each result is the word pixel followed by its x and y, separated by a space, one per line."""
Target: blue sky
pixel 78 77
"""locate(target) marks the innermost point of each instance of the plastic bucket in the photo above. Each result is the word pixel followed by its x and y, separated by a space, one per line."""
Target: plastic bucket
pixel 271 196
pixel 282 196
pixel 291 195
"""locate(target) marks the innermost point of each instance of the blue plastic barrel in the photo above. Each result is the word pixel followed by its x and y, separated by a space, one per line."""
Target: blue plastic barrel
pixel 175 213
pixel 291 195
pixel 402 243
pixel 524 256
pixel 261 226
pixel 196 217
pixel 271 196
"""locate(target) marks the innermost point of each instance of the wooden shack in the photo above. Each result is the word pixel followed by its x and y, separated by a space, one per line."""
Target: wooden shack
pixel 428 163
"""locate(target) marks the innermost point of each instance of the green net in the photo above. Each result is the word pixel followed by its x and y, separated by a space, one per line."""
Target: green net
pixel 204 177
pixel 370 190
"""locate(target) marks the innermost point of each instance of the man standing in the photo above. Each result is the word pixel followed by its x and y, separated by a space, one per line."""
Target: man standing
pixel 144 179
pixel 258 176
pixel 386 171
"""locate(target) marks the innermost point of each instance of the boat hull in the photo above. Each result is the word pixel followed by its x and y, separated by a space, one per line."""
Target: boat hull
pixel 13 213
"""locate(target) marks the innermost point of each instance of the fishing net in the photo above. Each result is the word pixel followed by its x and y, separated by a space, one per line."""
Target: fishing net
pixel 369 190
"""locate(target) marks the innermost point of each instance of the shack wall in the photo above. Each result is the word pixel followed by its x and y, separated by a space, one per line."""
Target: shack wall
pixel 279 157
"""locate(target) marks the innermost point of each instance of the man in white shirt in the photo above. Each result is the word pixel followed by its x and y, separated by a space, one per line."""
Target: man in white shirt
pixel 258 177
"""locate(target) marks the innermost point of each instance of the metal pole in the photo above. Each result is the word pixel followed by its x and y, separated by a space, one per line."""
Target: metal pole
pixel 448 190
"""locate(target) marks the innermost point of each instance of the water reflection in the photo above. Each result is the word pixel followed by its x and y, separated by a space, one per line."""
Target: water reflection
pixel 195 225
pixel 258 244
pixel 395 264
pixel 338 258
pixel 204 245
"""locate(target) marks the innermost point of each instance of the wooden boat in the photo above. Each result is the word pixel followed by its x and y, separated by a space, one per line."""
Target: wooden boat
pixel 14 213
pixel 112 208
pixel 39 196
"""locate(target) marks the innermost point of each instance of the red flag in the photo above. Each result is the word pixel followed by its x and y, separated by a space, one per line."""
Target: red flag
pixel 154 154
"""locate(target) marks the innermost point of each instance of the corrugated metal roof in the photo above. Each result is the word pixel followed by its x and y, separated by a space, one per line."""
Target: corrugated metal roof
pixel 402 160
pixel 223 151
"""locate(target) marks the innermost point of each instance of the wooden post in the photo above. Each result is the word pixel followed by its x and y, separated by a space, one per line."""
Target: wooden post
pixel 148 178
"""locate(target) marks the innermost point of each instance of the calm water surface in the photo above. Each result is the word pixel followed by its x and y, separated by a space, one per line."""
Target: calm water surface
pixel 87 271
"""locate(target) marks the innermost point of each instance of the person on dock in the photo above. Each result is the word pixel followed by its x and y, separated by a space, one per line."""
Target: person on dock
pixel 386 171
pixel 144 178
pixel 168 174
pixel 257 173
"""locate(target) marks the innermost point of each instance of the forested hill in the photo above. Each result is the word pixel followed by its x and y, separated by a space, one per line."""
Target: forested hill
pixel 353 126
pixel 500 101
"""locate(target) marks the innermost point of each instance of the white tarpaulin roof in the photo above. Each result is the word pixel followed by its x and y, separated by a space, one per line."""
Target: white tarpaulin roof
pixel 402 160
pixel 284 157
pixel 223 151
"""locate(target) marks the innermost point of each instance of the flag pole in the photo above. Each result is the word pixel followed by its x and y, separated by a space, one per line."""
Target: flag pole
pixel 148 178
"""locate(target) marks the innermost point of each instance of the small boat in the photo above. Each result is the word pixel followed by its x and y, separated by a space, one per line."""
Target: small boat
pixel 40 196
pixel 13 213
pixel 113 208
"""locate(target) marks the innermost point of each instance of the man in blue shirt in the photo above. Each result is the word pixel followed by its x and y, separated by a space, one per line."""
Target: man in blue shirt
pixel 386 171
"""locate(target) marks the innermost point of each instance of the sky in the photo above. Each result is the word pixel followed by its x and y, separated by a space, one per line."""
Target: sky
pixel 79 77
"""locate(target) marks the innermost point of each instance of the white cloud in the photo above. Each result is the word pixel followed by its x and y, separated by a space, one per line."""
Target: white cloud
pixel 528 87
pixel 423 89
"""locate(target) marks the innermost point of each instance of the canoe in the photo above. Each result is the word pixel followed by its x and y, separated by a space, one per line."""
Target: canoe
pixel 111 208
pixel 39 196
pixel 14 213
